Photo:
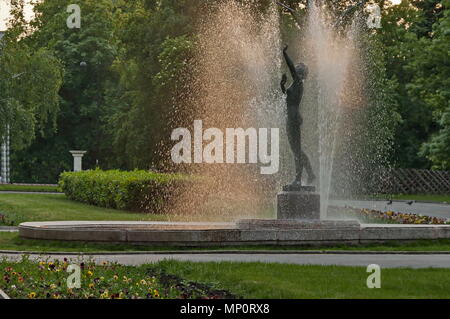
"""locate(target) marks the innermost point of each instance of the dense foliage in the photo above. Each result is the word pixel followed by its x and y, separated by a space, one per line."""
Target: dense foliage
pixel 86 55
pixel 29 84
pixel 416 38
pixel 112 86
pixel 142 191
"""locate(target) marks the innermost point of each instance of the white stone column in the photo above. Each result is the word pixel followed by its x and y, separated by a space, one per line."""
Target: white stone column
pixel 8 156
pixel 77 160
pixel 3 160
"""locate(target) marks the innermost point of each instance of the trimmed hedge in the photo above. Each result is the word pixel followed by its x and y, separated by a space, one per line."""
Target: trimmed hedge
pixel 137 190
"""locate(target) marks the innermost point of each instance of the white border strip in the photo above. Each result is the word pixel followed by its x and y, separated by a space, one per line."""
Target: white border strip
pixel 3 295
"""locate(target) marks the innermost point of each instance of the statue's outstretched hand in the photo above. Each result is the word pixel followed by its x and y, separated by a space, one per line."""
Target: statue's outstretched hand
pixel 285 48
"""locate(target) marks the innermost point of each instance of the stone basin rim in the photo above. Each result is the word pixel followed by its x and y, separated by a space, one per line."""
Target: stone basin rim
pixel 213 234
pixel 207 225
pixel 124 225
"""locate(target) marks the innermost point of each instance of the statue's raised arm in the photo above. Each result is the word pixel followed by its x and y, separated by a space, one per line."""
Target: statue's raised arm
pixel 290 64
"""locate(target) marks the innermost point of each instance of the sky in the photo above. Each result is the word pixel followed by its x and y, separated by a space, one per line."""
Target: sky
pixel 4 12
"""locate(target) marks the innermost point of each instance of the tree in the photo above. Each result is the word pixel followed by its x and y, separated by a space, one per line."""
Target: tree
pixel 432 84
pixel 155 45
pixel 431 11
pixel 29 84
pixel 407 36
pixel 87 55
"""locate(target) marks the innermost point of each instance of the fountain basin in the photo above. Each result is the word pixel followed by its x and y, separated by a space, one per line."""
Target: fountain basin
pixel 245 232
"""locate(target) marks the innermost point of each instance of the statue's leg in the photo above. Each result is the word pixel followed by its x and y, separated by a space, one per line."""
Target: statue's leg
pixel 298 158
pixel 294 141
pixel 307 165
pixel 298 167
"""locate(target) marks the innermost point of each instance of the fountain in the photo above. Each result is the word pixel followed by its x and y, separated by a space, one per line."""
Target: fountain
pixel 237 68
pixel 235 82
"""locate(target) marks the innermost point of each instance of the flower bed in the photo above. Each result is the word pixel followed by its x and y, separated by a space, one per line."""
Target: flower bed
pixel 48 280
pixel 403 218
pixel 142 191
pixel 375 216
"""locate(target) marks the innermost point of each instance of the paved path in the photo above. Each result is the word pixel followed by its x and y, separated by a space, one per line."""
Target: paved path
pixel 429 209
pixel 384 260
pixel 22 192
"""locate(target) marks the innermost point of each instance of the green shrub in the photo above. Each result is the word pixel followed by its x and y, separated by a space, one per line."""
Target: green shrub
pixel 142 191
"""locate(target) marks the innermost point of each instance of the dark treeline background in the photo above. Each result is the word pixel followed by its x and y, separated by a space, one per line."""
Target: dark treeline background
pixel 110 86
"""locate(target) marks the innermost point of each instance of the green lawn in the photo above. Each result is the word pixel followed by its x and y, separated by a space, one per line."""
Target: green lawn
pixel 29 188
pixel 263 280
pixel 18 208
pixel 12 241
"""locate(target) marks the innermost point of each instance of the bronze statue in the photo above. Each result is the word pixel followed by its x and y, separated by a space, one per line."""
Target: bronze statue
pixel 294 121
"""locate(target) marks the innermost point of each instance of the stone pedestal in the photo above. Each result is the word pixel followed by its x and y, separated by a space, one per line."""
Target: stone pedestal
pixel 298 202
pixel 77 160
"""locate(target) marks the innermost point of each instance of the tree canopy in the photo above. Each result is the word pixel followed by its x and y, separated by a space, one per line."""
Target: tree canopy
pixel 112 86
pixel 29 85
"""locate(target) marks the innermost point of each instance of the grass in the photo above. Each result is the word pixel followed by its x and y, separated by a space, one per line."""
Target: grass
pixel 29 188
pixel 263 280
pixel 18 208
pixel 220 279
pixel 12 241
